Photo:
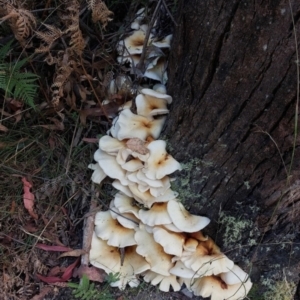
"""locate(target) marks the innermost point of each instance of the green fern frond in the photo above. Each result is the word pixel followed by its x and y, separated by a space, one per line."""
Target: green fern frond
pixel 4 50
pixel 86 290
pixel 14 82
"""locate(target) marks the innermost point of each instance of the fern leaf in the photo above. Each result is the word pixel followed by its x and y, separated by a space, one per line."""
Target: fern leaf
pixel 4 51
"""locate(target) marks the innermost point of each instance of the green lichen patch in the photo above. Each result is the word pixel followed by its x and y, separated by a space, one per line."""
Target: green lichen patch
pixel 234 228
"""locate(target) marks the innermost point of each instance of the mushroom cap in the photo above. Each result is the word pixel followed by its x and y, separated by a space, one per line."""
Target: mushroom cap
pixel 110 166
pixel 156 188
pixel 154 183
pixel 135 25
pixel 234 276
pixel 110 145
pixel 183 220
pixel 131 59
pixel 98 174
pixel 165 281
pixel 171 227
pixel 182 271
pixel 172 242
pixel 126 204
pixel 207 259
pixel 217 289
pixel 111 230
pixel 160 88
pixel 134 126
pixel 157 71
pixel 190 245
pixel 149 106
pixel 108 258
pixel 122 156
pixel 147 199
pixel 133 165
pixel 156 93
pixel 160 262
pixel 163 43
pixel 159 163
pixel 156 215
pixel 114 129
pixel 128 220
pixel 104 256
pixel 124 189
pixel 133 264
pixel 133 43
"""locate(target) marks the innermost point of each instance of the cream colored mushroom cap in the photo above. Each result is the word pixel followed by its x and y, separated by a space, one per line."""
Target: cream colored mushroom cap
pixel 157 71
pixel 164 43
pixel 147 199
pixel 207 259
pixel 172 242
pixel 110 145
pixel 156 215
pixel 128 220
pixel 165 282
pixel 190 245
pixel 156 94
pixel 134 126
pixel 234 276
pixel 155 183
pixel 160 163
pixel 124 189
pixel 111 230
pixel 183 220
pixel 98 174
pixel 133 265
pixel 126 204
pixel 217 289
pixel 160 262
pixel 108 258
pixel 181 270
pixel 110 166
pixel 149 106
pixel 160 88
pixel 133 43
pixel 104 256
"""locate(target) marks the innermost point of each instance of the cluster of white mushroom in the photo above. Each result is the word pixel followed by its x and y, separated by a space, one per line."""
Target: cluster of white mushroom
pixel 161 240
pixel 147 233
pixel 131 48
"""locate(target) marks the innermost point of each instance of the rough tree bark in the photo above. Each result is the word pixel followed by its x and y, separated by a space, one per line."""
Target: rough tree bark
pixel 233 78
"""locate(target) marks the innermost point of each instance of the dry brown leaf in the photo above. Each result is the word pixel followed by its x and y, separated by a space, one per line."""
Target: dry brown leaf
pixel 74 253
pixel 44 291
pixel 3 128
pixel 28 198
pixel 18 115
pixel 92 273
pixel 58 125
pixel 111 109
pixel 137 145
pixel 14 105
pixel 90 140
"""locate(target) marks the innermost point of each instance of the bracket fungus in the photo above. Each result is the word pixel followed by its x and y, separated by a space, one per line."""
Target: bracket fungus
pixel 160 240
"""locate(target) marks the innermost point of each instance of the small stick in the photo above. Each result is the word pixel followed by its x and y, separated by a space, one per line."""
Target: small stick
pixel 141 64
pixel 88 228
pixel 169 13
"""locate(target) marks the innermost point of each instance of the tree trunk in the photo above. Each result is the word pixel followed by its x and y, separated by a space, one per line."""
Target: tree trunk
pixel 233 78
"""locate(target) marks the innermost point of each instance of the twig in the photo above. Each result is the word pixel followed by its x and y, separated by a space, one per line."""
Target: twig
pixel 169 13
pixel 141 64
pixel 88 228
